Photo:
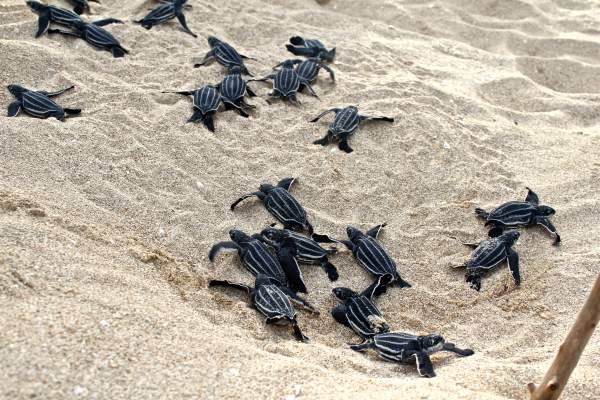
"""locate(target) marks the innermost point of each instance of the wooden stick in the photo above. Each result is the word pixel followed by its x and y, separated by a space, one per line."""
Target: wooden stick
pixel 569 352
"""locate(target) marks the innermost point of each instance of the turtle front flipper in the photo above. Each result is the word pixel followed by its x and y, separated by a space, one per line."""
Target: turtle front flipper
pixel 222 246
pixel 286 257
pixel 260 195
pixel 328 69
pixel 424 365
pixel 238 286
pixel 210 56
pixel 296 299
pixel 298 332
pixel 14 108
pixel 286 183
pixel 474 280
pixel 543 221
pixel 451 347
pixel 339 314
pixel 513 265
pixel 330 269
pixel 72 111
pixel 107 21
pixel 374 232
pixel 378 287
pixel 360 347
pixel 57 93
pixel 43 23
pixel 369 118
pixel 318 117
pixel 532 197
pixel 182 21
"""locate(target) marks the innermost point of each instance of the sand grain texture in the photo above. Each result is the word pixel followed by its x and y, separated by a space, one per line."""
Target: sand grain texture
pixel 106 219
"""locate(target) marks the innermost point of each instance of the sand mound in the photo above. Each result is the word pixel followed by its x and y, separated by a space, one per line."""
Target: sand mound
pixel 106 219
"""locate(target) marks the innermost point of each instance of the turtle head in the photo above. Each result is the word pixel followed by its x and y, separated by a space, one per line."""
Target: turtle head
pixel 510 237
pixel 266 187
pixel 272 235
pixel 16 90
pixel 546 211
pixel 213 41
pixel 36 6
pixel 289 64
pixel 342 293
pixel 327 55
pixel 431 343
pixel 236 69
pixel 353 233
pixel 239 236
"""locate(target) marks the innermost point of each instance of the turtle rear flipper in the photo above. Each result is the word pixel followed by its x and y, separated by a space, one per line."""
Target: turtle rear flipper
pixel 286 256
pixel 344 146
pixel 118 51
pixel 401 282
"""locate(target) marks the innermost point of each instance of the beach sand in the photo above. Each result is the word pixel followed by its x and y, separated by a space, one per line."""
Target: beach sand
pixel 106 219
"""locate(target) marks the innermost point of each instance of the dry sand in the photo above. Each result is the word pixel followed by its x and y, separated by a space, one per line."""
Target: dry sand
pixel 106 219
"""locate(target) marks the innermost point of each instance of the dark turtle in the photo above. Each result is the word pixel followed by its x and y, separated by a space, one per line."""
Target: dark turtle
pixel 491 253
pixel 273 301
pixel 82 6
pixel 519 213
pixel 95 35
pixel 408 349
pixel 308 251
pixel 372 256
pixel 48 14
pixel 225 55
pixel 358 312
pixel 258 260
pixel 307 71
pixel 38 103
pixel 233 89
pixel 286 83
pixel 206 102
pixel 283 206
pixel 310 48
pixel 165 12
pixel 344 125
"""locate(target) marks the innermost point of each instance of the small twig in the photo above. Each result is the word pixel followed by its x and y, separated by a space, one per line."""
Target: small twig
pixel 570 350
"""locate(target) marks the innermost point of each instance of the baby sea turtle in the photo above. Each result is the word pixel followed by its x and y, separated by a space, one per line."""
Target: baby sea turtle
pixel 82 6
pixel 491 253
pixel 308 251
pixel 308 70
pixel 233 89
pixel 358 312
pixel 273 301
pixel 206 102
pixel 286 83
pixel 407 349
pixel 372 256
pixel 225 55
pixel 95 35
pixel 344 125
pixel 165 12
pixel 310 48
pixel 38 103
pixel 519 213
pixel 48 14
pixel 281 204
pixel 257 258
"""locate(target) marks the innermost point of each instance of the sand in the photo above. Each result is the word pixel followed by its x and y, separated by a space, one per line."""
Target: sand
pixel 106 219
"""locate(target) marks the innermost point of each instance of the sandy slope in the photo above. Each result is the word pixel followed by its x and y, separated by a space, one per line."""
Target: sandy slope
pixel 106 220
